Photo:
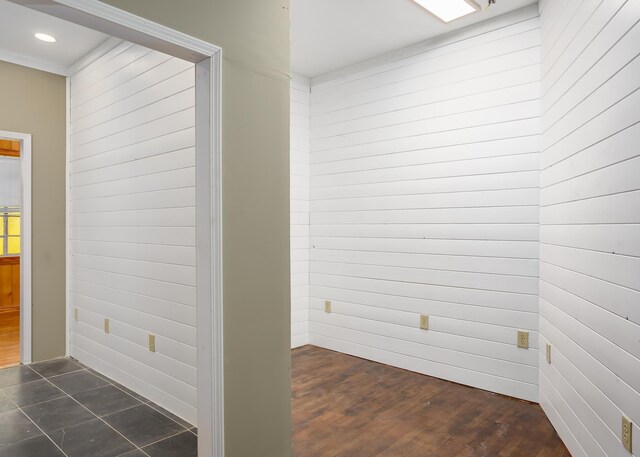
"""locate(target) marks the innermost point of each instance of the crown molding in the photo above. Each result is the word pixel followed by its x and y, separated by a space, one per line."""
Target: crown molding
pixel 38 64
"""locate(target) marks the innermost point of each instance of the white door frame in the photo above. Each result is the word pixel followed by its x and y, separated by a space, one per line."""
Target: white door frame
pixel 208 59
pixel 25 242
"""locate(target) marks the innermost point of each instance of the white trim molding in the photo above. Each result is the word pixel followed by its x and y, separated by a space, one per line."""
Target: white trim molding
pixel 31 62
pixel 67 220
pixel 113 21
pixel 129 27
pixel 138 24
pixel 209 251
pixel 25 243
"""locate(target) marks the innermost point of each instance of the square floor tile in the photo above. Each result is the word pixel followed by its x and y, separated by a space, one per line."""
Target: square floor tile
pixel 92 438
pixel 131 392
pixel 55 367
pixel 78 381
pixel 59 413
pixel 106 400
pixel 77 362
pixel 170 415
pixel 17 375
pixel 143 425
pixel 6 404
pixel 119 386
pixel 33 392
pixel 15 426
pixel 40 446
pixel 100 375
pixel 182 445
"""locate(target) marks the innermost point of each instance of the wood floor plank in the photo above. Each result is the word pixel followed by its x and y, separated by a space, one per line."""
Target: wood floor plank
pixel 9 337
pixel 344 406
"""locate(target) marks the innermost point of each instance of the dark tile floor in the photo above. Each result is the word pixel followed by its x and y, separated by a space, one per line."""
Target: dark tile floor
pixel 61 408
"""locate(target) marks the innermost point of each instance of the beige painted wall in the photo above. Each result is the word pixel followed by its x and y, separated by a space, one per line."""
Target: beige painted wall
pixel 34 102
pixel 254 36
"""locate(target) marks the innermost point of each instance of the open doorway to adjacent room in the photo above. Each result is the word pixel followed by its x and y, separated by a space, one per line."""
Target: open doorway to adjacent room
pixel 414 229
pixel 127 327
pixel 15 303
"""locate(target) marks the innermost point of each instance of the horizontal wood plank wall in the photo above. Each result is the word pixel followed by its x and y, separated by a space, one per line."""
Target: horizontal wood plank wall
pixel 299 211
pixel 424 200
pixel 132 218
pixel 590 222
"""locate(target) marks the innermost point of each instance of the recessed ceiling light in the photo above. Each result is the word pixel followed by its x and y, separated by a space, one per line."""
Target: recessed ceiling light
pixel 448 10
pixel 45 37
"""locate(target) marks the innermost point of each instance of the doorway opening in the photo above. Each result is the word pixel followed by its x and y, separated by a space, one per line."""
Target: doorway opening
pixel 15 249
pixel 117 115
pixel 10 205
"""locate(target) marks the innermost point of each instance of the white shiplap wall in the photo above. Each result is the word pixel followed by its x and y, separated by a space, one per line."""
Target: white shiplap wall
pixel 590 222
pixel 424 200
pixel 299 211
pixel 132 222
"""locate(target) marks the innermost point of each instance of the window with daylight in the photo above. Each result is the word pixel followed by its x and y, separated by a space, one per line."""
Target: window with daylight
pixel 9 232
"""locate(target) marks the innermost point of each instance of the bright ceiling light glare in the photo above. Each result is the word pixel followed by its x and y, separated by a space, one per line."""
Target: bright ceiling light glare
pixel 448 10
pixel 44 37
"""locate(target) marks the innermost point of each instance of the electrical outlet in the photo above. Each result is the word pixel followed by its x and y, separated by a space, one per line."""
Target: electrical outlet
pixel 523 339
pixel 548 353
pixel 75 313
pixel 424 322
pixel 152 343
pixel 627 430
pixel 106 325
pixel 327 306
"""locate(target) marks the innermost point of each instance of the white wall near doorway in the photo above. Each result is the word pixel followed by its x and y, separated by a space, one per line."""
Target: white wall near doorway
pixel 590 222
pixel 300 92
pixel 132 222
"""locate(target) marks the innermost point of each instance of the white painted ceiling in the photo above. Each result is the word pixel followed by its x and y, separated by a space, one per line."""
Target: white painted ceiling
pixel 17 43
pixel 330 34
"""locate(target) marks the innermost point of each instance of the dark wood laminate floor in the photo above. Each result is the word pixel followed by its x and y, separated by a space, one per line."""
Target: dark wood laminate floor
pixel 344 406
